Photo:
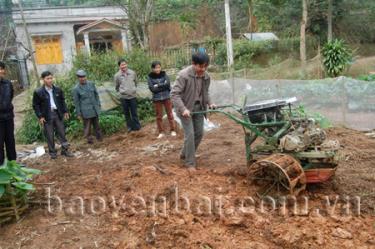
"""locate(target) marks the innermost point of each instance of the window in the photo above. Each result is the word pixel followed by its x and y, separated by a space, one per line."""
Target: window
pixel 48 49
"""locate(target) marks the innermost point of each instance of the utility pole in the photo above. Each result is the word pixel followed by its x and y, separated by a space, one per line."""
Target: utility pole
pixel 228 28
pixel 230 60
pixel 29 45
pixel 329 20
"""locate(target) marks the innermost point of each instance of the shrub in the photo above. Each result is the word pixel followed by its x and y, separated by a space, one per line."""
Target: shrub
pixel 101 67
pixel 138 61
pixel 30 130
pixel 336 57
pixel 146 111
pixel 243 51
pixel 112 122
pixel 370 77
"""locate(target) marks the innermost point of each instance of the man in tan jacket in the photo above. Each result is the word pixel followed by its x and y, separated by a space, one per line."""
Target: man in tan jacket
pixel 190 94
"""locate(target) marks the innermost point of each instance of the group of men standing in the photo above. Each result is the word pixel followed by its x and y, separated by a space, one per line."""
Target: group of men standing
pixel 189 96
pixel 50 106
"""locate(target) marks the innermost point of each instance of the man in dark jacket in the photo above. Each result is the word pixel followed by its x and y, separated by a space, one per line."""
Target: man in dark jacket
pixel 6 118
pixel 50 108
pixel 87 103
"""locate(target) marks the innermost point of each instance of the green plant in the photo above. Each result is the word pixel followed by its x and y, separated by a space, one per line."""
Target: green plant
pixel 370 77
pixel 30 130
pixel 321 120
pixel 74 128
pixel 146 111
pixel 101 67
pixel 274 60
pixel 98 66
pixel 244 51
pixel 336 57
pixel 139 61
pixel 14 179
pixel 112 122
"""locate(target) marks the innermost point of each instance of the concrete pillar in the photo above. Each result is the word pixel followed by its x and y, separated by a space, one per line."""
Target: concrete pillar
pixel 87 43
pixel 125 41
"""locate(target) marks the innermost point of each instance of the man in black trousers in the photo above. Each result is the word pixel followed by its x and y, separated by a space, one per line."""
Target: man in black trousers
pixel 6 118
pixel 126 84
pixel 50 108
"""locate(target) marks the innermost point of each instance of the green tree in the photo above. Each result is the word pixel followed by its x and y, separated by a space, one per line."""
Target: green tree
pixel 139 13
pixel 336 57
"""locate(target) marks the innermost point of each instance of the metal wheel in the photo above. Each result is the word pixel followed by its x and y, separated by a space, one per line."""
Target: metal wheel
pixel 278 174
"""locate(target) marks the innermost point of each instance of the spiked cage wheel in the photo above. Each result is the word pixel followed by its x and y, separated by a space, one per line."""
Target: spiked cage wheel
pixel 278 174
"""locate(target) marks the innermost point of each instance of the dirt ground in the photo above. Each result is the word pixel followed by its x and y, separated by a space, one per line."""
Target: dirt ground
pixel 135 194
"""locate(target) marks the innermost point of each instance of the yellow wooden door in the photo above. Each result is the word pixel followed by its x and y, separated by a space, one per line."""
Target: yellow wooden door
pixel 48 50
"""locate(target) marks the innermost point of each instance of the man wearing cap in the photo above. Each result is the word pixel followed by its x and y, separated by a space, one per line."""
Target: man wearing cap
pixel 87 103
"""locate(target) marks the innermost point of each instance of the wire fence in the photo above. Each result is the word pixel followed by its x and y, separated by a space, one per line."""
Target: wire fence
pixel 344 101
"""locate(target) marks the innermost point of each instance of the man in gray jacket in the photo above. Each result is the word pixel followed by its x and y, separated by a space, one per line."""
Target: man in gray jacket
pixel 126 84
pixel 190 94
pixel 87 103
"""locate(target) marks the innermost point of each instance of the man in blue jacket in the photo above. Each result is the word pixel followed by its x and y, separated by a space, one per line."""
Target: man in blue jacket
pixel 87 103
pixel 6 118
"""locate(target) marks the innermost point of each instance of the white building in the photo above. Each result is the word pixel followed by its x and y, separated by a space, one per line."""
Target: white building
pixel 59 33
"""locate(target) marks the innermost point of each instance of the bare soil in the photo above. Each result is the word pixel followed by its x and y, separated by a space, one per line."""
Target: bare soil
pixel 111 177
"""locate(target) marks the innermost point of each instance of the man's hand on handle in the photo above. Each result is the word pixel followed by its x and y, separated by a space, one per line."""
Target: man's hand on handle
pixel 212 106
pixel 186 113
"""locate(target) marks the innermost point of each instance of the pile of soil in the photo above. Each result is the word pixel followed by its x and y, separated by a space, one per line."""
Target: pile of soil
pixel 131 191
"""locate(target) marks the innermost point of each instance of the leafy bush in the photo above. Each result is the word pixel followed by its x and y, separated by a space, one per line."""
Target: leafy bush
pixel 243 51
pixel 274 60
pixel 138 61
pixel 112 122
pixel 336 57
pixel 99 66
pixel 370 77
pixel 14 179
pixel 30 130
pixel 102 67
pixel 146 111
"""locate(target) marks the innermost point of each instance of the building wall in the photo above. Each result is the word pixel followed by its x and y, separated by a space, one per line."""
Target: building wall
pixel 67 44
pixel 60 21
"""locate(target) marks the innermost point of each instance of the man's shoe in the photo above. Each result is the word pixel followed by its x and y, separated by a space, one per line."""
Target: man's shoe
pixel 173 134
pixel 53 156
pixel 192 169
pixel 67 154
pixel 161 135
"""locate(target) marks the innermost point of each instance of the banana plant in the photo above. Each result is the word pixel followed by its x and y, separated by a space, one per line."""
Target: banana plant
pixel 336 57
pixel 17 178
